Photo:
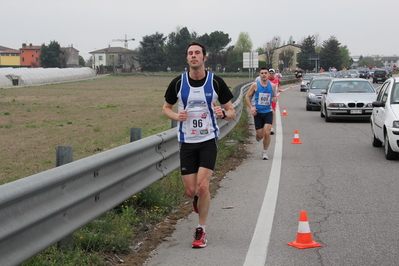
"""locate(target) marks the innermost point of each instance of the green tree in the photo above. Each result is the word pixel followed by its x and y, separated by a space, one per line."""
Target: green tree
pixel 215 44
pixel 235 57
pixel 50 55
pixel 151 55
pixel 370 62
pixel 330 55
pixel 307 48
pixel 176 46
pixel 82 62
pixel 244 43
pixel 346 59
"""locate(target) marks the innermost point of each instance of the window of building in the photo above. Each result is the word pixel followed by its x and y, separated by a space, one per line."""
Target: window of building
pixel 23 59
pixel 100 57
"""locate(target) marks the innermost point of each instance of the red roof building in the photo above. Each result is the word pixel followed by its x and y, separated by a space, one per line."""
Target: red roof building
pixel 30 55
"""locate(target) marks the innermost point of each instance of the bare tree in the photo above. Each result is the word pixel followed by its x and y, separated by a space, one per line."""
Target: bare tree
pixel 269 49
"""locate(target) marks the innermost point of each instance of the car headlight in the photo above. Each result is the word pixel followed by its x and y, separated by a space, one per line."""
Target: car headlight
pixel 312 95
pixel 336 105
pixel 369 105
pixel 395 124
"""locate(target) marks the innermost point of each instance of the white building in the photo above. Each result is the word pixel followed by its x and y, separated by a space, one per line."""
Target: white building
pixel 114 56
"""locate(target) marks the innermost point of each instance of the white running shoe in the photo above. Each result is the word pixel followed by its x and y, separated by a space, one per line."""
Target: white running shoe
pixel 264 156
pixel 272 131
pixel 257 139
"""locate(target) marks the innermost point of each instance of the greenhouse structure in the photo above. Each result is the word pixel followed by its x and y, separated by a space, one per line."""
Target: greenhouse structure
pixel 10 77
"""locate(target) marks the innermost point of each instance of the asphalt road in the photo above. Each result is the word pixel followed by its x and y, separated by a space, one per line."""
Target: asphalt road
pixel 347 188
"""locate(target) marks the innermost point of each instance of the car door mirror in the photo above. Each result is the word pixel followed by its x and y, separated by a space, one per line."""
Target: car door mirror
pixel 323 92
pixel 378 104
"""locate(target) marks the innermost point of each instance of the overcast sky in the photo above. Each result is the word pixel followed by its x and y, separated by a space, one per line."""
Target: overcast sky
pixel 366 27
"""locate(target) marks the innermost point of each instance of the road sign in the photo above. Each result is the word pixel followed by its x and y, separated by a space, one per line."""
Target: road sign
pixel 251 60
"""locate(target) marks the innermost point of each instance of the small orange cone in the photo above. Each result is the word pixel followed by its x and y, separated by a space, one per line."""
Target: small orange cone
pixel 285 112
pixel 296 138
pixel 304 237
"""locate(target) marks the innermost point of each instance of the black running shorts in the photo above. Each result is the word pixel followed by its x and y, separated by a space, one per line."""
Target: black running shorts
pixel 261 119
pixel 195 155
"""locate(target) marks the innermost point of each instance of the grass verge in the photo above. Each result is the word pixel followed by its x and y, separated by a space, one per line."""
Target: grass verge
pixel 117 233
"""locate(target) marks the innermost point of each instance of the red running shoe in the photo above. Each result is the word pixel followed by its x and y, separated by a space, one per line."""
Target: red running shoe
pixel 199 238
pixel 195 202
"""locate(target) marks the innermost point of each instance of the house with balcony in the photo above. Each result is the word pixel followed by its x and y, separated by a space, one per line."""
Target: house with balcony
pixel 116 57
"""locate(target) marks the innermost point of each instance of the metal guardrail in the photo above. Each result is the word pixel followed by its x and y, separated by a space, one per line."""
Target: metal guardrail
pixel 40 210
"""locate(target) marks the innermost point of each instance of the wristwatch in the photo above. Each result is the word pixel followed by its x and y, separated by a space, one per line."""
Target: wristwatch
pixel 224 114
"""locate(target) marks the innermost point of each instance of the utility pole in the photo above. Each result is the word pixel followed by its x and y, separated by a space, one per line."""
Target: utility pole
pixel 124 40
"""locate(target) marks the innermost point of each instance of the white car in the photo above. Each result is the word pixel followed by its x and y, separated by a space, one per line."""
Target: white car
pixel 385 119
pixel 353 73
pixel 347 98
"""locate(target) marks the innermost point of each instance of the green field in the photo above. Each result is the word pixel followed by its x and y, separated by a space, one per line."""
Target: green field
pixel 91 116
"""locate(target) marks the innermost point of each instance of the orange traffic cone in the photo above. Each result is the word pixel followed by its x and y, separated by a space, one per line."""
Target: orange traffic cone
pixel 296 138
pixel 304 237
pixel 285 112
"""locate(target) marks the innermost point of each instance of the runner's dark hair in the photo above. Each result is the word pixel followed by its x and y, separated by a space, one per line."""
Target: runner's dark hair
pixel 197 43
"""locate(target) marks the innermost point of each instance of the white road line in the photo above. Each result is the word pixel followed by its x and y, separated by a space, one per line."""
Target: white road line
pixel 257 252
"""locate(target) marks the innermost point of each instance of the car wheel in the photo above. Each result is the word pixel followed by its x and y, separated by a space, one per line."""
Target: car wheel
pixel 389 153
pixel 374 141
pixel 326 117
pixel 308 108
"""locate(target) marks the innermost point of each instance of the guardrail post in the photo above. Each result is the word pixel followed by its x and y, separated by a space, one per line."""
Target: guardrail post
pixel 173 124
pixel 135 134
pixel 64 156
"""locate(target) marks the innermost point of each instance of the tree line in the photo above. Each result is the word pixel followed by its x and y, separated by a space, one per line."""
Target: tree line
pixel 158 52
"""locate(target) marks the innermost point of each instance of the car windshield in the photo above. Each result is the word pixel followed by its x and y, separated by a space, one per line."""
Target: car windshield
pixel 362 69
pixel 320 84
pixel 324 75
pixel 352 71
pixel 308 76
pixel 351 87
pixel 344 72
pixel 395 94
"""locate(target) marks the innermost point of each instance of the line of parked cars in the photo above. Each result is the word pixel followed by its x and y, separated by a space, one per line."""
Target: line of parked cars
pixel 344 98
pixel 377 74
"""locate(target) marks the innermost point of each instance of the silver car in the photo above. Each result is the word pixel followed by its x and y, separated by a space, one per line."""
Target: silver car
pixel 353 73
pixel 313 96
pixel 347 98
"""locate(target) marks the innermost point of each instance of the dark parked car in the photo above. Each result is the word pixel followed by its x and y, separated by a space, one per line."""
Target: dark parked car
pixel 389 69
pixel 364 72
pixel 313 96
pixel 380 75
